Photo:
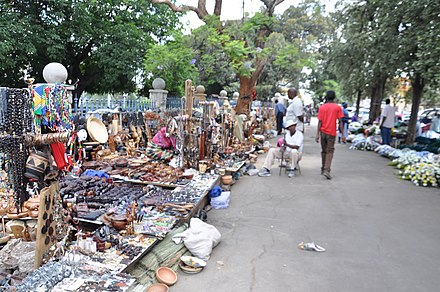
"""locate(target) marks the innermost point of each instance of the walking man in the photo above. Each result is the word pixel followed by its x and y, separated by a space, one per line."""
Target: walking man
pixel 328 114
pixel 280 112
pixel 387 123
pixel 295 110
pixel 292 147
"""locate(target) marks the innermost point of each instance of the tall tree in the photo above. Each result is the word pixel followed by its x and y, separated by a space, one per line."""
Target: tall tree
pixel 102 43
pixel 419 30
pixel 398 37
pixel 246 47
pixel 173 61
pixel 213 64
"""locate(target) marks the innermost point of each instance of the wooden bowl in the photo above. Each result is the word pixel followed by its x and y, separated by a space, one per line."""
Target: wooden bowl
pixel 158 287
pixel 166 275
pixel 119 222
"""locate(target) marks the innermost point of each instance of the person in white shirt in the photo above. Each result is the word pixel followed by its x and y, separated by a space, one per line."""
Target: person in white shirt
pixel 292 147
pixel 295 110
pixel 387 123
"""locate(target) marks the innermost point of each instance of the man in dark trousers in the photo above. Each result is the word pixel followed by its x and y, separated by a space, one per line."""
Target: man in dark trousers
pixel 328 114
pixel 280 111
pixel 387 122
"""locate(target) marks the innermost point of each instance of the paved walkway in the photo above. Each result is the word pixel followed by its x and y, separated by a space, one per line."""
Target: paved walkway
pixel 381 233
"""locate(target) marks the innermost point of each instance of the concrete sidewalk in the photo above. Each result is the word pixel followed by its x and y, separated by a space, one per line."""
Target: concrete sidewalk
pixel 381 233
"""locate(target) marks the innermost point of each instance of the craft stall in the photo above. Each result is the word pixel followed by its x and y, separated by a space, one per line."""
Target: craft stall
pixel 90 196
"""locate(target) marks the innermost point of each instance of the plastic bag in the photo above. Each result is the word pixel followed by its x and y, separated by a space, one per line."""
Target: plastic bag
pixel 222 201
pixel 200 238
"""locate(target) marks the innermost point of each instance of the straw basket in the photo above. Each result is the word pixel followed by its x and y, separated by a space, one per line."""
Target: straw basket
pixel 97 130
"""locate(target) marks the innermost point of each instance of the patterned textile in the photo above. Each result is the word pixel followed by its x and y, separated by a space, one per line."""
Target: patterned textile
pixel 39 99
pixel 154 151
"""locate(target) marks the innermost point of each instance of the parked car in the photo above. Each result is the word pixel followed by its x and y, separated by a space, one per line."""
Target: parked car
pixel 427 115
pixel 403 116
pixel 406 117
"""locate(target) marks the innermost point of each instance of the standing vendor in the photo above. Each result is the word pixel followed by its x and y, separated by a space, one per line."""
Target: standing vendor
pixel 295 109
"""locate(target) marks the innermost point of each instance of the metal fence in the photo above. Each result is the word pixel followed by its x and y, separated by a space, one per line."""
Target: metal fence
pixel 87 104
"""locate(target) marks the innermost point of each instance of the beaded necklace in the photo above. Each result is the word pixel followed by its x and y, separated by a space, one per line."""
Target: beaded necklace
pixel 61 118
pixel 12 143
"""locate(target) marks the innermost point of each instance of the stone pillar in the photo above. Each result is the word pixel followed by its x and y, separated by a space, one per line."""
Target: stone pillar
pixel 223 95
pixel 235 96
pixel 223 100
pixel 199 95
pixel 158 95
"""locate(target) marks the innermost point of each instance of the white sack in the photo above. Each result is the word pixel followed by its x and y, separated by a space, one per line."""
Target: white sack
pixel 200 238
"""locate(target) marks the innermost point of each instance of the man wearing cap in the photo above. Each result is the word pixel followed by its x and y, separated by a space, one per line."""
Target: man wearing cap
pixel 292 147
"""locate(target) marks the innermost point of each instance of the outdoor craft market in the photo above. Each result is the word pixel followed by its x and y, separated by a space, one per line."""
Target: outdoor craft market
pixel 85 198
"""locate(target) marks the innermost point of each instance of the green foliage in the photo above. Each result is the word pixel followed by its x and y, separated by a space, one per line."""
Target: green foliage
pixel 386 38
pixel 304 34
pixel 101 42
pixel 174 62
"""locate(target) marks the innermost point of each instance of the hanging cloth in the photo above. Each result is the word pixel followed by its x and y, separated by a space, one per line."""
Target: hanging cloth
pixel 59 154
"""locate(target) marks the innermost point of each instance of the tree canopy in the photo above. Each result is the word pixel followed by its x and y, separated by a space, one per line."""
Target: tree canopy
pixel 102 43
pixel 381 40
pixel 172 61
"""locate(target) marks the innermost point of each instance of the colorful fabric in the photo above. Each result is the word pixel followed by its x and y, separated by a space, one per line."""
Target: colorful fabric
pixel 163 141
pixel 51 107
pixel 59 155
pixel 155 152
pixel 39 99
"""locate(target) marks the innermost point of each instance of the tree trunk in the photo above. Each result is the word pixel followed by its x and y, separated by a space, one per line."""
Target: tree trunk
pixel 358 101
pixel 417 88
pixel 247 87
pixel 377 94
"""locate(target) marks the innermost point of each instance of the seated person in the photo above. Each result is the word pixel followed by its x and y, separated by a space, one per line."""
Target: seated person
pixel 292 147
pixel 163 143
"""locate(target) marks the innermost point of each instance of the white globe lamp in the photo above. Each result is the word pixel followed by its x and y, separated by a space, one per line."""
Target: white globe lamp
pixel 55 73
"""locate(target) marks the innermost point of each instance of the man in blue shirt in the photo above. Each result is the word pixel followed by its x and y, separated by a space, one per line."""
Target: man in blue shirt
pixel 280 111
pixel 345 121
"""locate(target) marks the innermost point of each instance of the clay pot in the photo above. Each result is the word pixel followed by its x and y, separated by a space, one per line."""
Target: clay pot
pixel 227 179
pixel 158 287
pixel 166 275
pixel 119 222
